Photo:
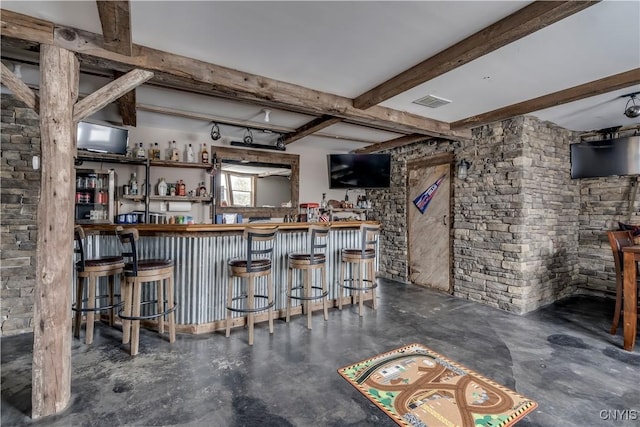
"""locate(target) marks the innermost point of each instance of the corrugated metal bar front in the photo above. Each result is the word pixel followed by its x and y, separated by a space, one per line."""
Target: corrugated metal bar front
pixel 201 266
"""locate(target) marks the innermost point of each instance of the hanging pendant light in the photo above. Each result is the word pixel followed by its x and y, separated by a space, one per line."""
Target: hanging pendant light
pixel 632 111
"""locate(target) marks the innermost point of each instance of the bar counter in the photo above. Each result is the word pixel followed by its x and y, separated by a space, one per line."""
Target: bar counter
pixel 200 253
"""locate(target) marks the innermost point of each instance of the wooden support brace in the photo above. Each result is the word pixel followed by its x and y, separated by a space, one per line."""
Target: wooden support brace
pixel 19 89
pixel 109 93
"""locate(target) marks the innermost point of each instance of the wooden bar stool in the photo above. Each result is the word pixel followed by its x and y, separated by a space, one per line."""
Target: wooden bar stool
pixel 619 240
pixel 363 260
pixel 138 272
pixel 93 270
pixel 308 263
pixel 257 263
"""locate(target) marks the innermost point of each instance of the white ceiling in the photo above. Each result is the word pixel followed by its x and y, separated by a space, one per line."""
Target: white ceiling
pixel 347 48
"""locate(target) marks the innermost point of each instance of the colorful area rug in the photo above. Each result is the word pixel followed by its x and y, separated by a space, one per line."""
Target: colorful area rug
pixel 419 387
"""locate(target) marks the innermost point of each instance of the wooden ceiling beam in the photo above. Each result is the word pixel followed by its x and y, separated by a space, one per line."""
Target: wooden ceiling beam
pixel 312 127
pixel 191 74
pixel 519 24
pixel 392 143
pixel 115 18
pixel 586 90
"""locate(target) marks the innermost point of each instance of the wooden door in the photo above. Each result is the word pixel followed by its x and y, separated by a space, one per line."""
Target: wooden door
pixel 429 221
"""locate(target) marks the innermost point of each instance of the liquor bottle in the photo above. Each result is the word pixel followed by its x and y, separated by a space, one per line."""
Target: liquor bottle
pixel 175 154
pixel 156 151
pixel 182 189
pixel 190 157
pixel 202 189
pixel 168 152
pixel 140 154
pixel 133 184
pixel 152 153
pixel 323 203
pixel 162 187
pixel 204 154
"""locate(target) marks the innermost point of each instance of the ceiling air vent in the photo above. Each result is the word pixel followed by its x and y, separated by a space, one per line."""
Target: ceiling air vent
pixel 432 101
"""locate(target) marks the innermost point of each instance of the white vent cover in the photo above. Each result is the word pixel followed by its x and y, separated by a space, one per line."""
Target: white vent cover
pixel 432 101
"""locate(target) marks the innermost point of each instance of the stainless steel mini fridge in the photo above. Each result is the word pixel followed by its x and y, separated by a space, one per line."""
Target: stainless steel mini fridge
pixel 95 196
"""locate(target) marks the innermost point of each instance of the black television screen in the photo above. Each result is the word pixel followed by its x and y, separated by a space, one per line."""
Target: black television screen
pixel 620 156
pixel 102 138
pixel 359 170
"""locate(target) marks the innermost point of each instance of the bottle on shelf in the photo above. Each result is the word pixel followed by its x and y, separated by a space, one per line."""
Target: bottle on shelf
pixel 190 157
pixel 161 154
pixel 204 154
pixel 202 189
pixel 133 185
pixel 140 154
pixel 323 203
pixel 156 151
pixel 175 154
pixel 129 152
pixel 162 187
pixel 182 188
pixel 152 153
pixel 167 154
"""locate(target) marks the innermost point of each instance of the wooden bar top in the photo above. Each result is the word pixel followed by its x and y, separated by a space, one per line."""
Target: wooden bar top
pixel 149 229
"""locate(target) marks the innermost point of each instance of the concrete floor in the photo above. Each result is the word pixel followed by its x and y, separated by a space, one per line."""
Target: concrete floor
pixel 561 356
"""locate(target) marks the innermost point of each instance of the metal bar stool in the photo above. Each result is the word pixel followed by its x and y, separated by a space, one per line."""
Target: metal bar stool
pixel 363 259
pixel 257 263
pixel 138 272
pixel 309 262
pixel 93 270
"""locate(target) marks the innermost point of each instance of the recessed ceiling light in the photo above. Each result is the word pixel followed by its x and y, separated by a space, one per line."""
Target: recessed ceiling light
pixel 432 101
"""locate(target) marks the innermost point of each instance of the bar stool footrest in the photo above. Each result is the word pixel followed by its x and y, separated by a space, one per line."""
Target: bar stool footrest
pixel 322 294
pixel 251 310
pixel 373 285
pixel 96 309
pixel 149 316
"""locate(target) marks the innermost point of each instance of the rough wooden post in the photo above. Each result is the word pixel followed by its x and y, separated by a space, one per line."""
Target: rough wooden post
pixel 51 371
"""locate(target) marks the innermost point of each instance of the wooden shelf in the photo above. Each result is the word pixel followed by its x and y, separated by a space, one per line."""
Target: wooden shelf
pixel 134 197
pixel 170 164
pixel 88 156
pixel 193 199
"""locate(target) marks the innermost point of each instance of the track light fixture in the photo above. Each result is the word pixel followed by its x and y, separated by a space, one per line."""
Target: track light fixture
pixel 632 111
pixel 215 132
pixel 266 115
pixel 248 136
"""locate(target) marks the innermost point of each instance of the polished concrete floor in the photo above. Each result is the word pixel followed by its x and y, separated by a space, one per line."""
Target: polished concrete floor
pixel 561 356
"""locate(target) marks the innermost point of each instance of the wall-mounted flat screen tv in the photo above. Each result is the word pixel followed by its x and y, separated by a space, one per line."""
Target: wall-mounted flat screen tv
pixel 102 138
pixel 359 170
pixel 620 156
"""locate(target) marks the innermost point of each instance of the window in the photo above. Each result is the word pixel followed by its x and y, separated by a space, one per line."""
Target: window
pixel 236 189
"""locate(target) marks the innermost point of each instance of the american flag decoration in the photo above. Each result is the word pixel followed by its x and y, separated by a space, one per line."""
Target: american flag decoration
pixel 423 200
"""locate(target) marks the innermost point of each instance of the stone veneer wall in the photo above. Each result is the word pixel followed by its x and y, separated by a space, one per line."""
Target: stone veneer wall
pixel 603 203
pixel 19 194
pixel 515 230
